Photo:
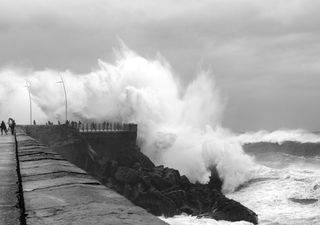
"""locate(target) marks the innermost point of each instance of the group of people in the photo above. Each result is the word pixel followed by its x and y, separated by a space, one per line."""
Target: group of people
pixel 11 124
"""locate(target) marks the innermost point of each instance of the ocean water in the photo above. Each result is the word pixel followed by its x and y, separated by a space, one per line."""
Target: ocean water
pixel 284 191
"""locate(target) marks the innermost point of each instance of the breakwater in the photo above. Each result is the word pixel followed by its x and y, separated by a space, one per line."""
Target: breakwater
pixel 57 192
pixel 115 160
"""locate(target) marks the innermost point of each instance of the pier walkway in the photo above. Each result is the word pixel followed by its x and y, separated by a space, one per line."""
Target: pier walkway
pixel 9 209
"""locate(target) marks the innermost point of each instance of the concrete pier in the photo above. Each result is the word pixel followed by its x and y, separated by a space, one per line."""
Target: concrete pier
pixel 57 192
pixel 9 206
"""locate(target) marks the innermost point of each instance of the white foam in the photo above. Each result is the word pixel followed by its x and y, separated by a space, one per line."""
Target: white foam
pixel 190 220
pixel 270 199
pixel 279 136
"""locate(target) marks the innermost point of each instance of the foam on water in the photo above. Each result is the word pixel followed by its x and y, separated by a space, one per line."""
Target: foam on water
pixel 280 196
pixel 291 197
pixel 279 136
pixel 285 190
pixel 191 220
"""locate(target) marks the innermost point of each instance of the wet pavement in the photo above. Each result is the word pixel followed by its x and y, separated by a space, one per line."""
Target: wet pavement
pixel 9 212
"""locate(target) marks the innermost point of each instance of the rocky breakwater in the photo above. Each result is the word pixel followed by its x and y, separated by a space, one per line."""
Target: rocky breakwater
pixel 158 189
pixel 163 191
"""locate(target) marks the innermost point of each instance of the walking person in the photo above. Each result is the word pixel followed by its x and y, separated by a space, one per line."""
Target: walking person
pixel 3 127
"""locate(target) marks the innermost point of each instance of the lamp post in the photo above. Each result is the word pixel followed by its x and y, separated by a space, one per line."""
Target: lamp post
pixel 65 95
pixel 28 86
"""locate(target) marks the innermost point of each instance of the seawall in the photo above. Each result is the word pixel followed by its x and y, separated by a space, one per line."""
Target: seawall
pixel 107 144
pixel 115 160
pixel 82 147
pixel 55 191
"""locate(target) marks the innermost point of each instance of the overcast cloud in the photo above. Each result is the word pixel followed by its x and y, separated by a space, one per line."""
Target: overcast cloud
pixel 264 54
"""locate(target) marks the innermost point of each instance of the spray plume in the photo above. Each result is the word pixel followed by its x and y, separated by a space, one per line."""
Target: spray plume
pixel 178 127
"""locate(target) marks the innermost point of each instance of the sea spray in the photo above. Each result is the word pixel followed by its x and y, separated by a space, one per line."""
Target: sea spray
pixel 178 127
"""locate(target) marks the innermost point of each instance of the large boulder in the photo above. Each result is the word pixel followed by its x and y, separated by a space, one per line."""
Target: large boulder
pixel 230 210
pixel 128 157
pixel 215 182
pixel 127 175
pixel 156 203
pixel 158 182
pixel 172 176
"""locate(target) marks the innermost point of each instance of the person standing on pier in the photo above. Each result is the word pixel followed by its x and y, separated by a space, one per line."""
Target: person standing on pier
pixel 12 125
pixel 3 127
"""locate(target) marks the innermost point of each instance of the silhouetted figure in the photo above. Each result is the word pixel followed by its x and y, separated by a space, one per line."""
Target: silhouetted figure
pixel 12 125
pixel 92 126
pixel 3 127
pixel 59 122
pixel 34 122
pixel 74 124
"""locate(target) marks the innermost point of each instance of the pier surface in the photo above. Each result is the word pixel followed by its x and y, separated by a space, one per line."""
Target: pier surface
pixel 9 209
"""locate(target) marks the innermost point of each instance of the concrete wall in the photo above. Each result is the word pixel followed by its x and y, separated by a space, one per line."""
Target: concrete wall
pixel 108 144
pixel 66 141
pixel 81 147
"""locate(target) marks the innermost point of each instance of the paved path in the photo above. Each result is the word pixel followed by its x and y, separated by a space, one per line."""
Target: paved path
pixel 9 213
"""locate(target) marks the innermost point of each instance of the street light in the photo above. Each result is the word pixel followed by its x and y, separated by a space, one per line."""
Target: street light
pixel 28 86
pixel 65 95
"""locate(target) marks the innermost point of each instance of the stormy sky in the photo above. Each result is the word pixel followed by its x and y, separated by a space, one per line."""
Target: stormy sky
pixel 264 54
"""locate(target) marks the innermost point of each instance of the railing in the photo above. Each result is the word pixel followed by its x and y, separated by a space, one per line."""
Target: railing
pixel 104 127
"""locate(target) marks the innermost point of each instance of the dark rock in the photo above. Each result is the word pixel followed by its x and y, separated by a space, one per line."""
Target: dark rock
pixel 156 203
pixel 128 157
pixel 137 166
pixel 304 201
pixel 110 168
pixel 228 209
pixel 184 182
pixel 127 190
pixel 158 182
pixel 215 181
pixel 162 191
pixel 187 210
pixel 127 175
pixel 171 176
pixel 176 196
